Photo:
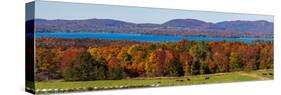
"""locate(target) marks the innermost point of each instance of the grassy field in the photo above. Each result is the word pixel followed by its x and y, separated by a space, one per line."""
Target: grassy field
pixel 152 82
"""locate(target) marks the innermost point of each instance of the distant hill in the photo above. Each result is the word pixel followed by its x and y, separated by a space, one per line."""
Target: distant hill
pixel 246 26
pixel 172 27
pixel 187 23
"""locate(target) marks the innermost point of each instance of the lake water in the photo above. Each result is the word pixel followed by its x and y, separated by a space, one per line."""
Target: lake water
pixel 141 37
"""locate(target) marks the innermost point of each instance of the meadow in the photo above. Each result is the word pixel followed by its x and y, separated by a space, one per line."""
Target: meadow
pixel 68 86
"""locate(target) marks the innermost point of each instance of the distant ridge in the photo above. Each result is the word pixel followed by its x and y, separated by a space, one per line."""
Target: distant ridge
pixel 176 26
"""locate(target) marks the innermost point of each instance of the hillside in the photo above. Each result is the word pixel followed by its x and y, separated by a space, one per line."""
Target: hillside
pixel 191 27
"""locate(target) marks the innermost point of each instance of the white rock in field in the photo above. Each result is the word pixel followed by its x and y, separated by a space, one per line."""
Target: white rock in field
pixel 44 90
pixel 121 86
pixel 50 89
pixel 85 88
pixel 37 90
pixel 95 87
pixel 60 89
pixel 66 89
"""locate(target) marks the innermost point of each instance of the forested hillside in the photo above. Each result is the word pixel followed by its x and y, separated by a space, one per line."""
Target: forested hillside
pixel 91 59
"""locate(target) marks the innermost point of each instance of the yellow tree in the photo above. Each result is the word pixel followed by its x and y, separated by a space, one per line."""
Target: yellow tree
pixel 150 65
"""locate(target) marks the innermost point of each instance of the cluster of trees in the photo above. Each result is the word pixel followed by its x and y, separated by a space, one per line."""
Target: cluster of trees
pixel 151 60
pixel 79 42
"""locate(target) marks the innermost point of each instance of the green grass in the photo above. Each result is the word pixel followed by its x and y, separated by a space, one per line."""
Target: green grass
pixel 165 81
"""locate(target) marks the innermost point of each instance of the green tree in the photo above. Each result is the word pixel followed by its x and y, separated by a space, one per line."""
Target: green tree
pixel 175 68
pixel 235 62
pixel 84 68
pixel 201 55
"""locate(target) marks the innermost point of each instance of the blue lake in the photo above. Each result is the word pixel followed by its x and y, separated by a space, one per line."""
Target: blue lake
pixel 141 37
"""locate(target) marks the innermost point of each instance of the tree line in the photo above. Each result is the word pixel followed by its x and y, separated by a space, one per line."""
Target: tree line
pixel 169 59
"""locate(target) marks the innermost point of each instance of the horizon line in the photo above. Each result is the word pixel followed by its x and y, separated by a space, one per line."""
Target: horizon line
pixel 150 22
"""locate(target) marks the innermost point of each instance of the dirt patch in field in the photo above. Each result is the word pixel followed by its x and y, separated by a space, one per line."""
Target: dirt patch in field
pixel 253 75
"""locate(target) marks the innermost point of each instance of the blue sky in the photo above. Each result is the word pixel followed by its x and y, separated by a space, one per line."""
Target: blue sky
pixel 76 11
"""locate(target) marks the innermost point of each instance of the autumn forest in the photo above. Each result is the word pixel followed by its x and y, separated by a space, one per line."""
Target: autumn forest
pixel 87 59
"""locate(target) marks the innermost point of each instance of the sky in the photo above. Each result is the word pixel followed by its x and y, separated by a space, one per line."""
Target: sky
pixel 76 11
